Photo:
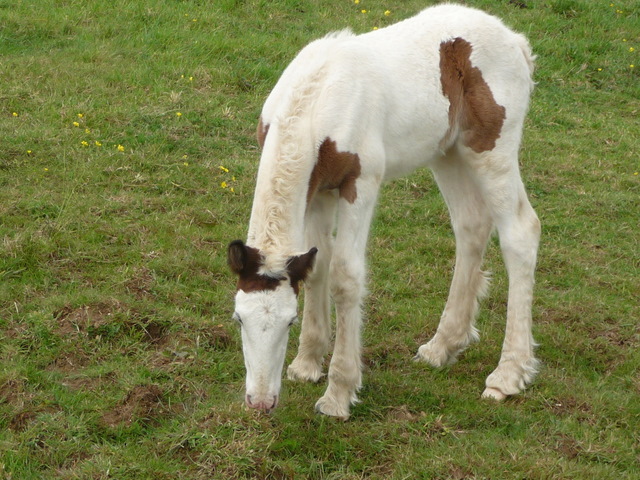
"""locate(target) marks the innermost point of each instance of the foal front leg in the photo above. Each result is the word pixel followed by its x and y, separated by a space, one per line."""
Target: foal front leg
pixel 348 288
pixel 315 333
pixel 345 370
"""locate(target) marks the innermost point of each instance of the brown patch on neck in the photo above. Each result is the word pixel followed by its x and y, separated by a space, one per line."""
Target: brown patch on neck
pixel 472 107
pixel 261 133
pixel 249 280
pixel 335 169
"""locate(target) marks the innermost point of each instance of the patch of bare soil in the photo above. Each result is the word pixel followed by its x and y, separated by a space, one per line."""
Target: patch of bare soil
pixel 180 349
pixel 74 321
pixel 21 420
pixel 141 283
pixel 143 403
pixel 13 392
pixel 384 355
pixel 563 407
pixel 108 319
pixel 215 337
pixel 458 473
pixel 403 414
pixel 568 447
pixel 69 362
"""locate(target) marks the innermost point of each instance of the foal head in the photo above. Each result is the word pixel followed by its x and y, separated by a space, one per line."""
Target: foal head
pixel 266 306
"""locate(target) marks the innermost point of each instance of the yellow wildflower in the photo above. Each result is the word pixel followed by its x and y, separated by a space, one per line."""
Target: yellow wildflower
pixel 387 13
pixel 224 169
pixel 356 2
pixel 186 164
pixel 98 144
pixel 84 143
pixel 232 190
pixel 631 49
pixel 80 115
pixel 120 148
pixel 15 114
pixel 178 114
pixel 363 11
pixel 223 185
pixel 86 130
pixel 76 124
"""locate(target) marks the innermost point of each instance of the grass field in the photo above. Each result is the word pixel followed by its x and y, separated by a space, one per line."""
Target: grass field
pixel 127 164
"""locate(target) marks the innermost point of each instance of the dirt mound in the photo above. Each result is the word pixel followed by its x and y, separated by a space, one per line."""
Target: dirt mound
pixel 109 320
pixel 143 403
pixel 86 317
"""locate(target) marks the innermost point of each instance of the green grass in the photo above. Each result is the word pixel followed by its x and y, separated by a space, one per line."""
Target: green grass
pixel 117 356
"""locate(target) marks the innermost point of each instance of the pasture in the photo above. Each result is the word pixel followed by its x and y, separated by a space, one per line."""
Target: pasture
pixel 127 164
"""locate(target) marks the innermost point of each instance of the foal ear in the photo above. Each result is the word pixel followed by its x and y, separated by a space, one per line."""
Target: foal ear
pixel 298 267
pixel 237 256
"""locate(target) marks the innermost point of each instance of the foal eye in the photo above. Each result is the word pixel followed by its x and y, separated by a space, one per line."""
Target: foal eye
pixel 237 318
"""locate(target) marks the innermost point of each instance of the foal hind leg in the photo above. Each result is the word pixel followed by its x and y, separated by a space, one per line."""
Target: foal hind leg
pixel 498 179
pixel 519 233
pixel 472 226
pixel 315 334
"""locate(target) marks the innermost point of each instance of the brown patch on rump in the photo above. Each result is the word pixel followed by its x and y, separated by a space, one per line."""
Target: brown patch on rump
pixel 471 103
pixel 246 261
pixel 262 133
pixel 335 169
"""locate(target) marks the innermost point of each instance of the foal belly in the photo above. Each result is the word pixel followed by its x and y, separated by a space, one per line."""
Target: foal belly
pixel 403 158
pixel 414 132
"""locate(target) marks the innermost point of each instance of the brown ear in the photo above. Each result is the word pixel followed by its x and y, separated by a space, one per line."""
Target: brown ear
pixel 237 256
pixel 300 266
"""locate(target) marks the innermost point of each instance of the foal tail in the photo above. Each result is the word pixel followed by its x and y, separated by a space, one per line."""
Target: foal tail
pixel 528 55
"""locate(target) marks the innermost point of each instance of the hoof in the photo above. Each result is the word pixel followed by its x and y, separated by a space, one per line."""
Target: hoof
pixel 329 407
pixel 510 378
pixel 304 371
pixel 434 355
pixel 493 394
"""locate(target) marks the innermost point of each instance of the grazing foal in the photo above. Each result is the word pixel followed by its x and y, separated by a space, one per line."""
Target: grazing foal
pixel 448 89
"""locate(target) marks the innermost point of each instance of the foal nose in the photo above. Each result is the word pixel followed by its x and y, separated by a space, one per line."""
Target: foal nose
pixel 265 404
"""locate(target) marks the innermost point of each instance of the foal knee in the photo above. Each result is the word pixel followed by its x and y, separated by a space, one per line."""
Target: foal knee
pixel 347 282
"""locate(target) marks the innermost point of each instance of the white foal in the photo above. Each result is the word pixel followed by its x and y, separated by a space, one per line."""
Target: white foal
pixel 447 89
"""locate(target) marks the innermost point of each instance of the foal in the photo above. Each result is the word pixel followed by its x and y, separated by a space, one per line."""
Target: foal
pixel 448 89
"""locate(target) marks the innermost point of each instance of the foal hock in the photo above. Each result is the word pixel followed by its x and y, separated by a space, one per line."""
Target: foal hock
pixel 448 89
